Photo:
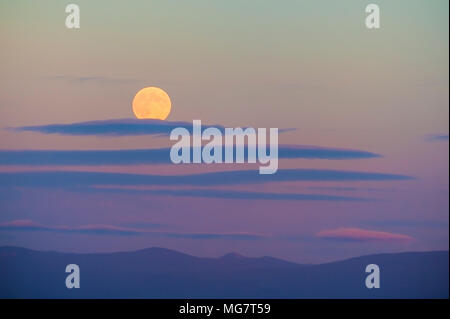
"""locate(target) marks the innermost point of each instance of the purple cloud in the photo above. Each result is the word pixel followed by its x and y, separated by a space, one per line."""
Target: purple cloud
pixel 117 127
pixel 362 235
pixel 438 138
pixel 231 194
pixel 155 156
pixel 71 179
pixel 29 225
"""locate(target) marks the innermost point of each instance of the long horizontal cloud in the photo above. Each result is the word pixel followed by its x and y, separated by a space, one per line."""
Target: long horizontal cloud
pixel 231 194
pixel 117 127
pixel 66 179
pixel 357 234
pixel 28 225
pixel 407 223
pixel 96 79
pixel 350 189
pixel 154 156
pixel 438 138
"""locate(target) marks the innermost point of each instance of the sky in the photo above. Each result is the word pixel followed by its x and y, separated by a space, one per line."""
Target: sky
pixel 363 118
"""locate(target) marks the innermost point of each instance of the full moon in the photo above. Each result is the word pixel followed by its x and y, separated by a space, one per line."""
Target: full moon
pixel 151 103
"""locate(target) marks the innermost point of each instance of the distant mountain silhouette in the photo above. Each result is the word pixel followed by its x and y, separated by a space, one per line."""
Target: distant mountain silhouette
pixel 164 273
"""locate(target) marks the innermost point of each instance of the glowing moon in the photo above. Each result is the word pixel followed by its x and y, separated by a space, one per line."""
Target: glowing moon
pixel 151 103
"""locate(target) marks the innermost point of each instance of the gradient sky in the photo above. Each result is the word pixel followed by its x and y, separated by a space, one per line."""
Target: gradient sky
pixel 308 65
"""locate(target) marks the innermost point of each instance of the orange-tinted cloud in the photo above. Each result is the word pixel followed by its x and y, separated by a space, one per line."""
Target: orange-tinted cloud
pixel 357 234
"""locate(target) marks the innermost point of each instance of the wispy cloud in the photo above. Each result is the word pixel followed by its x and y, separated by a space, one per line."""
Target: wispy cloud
pixel 93 79
pixel 350 189
pixel 29 225
pixel 118 127
pixel 156 156
pixel 437 138
pixel 317 152
pixel 407 223
pixel 231 194
pixel 65 179
pixel 362 235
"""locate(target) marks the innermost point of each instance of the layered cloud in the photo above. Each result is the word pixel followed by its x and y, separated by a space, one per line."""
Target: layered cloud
pixel 156 156
pixel 231 194
pixel 345 234
pixel 29 225
pixel 362 235
pixel 117 127
pixel 438 138
pixel 65 179
pixel 95 79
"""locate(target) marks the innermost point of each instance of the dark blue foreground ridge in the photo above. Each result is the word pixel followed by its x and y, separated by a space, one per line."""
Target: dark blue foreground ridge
pixel 164 273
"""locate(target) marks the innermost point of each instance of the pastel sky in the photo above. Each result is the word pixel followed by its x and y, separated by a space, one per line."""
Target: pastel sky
pixel 364 164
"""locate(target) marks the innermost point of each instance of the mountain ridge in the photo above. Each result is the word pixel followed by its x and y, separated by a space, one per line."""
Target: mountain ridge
pixel 164 273
pixel 231 254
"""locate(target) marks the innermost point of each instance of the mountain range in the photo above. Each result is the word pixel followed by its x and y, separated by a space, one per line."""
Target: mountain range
pixel 164 273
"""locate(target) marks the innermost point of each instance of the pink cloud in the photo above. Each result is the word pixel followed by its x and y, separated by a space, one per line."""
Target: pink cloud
pixel 357 234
